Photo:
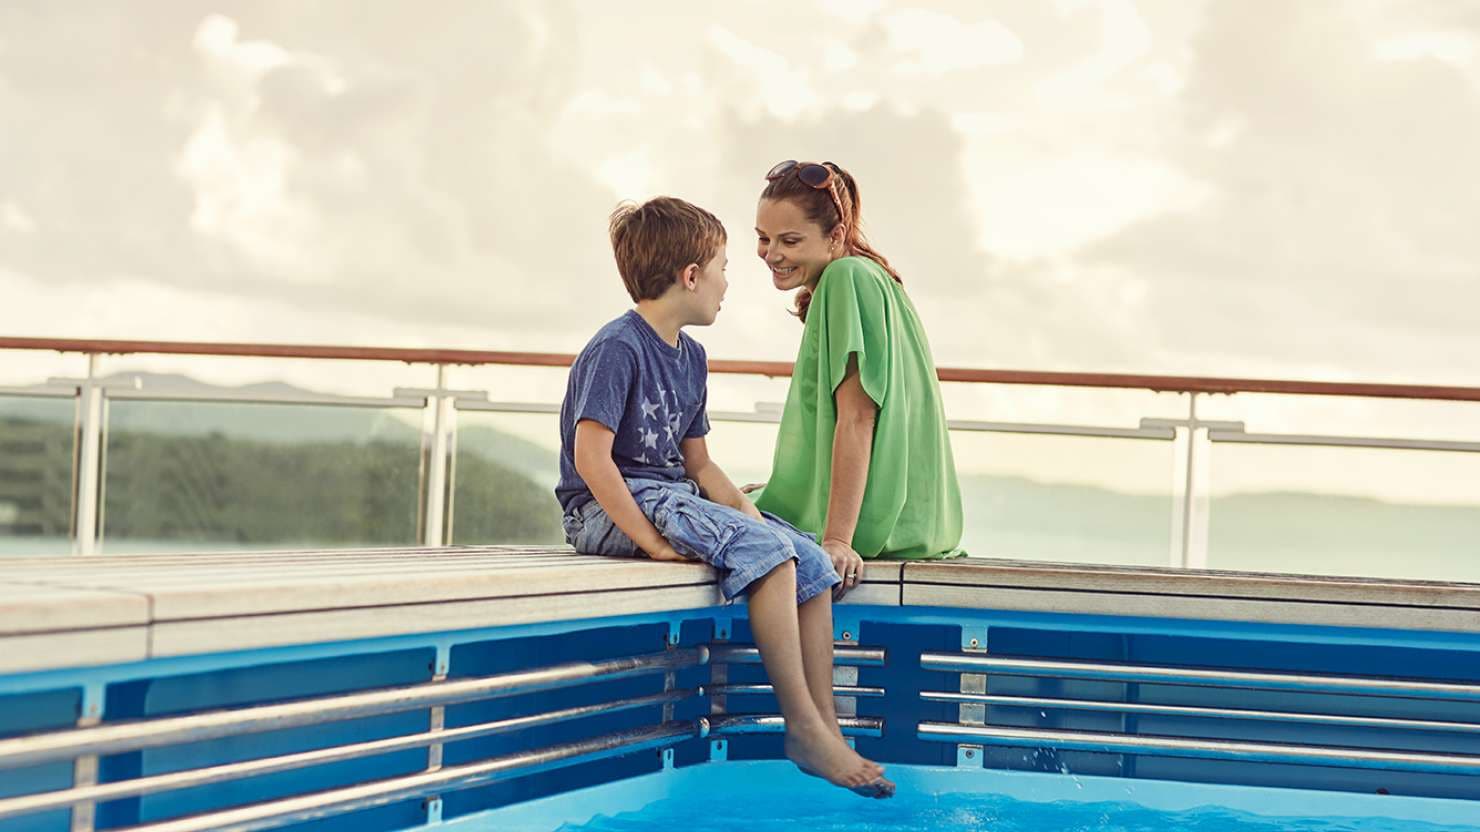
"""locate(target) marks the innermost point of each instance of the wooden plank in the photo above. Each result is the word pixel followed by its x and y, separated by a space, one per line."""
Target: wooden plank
pixel 78 648
pixel 256 572
pixel 882 570
pixel 880 594
pixel 1147 580
pixel 1272 611
pixel 173 638
pixel 292 593
pixel 35 608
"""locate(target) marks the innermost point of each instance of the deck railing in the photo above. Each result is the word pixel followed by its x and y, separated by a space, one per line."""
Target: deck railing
pixel 1191 436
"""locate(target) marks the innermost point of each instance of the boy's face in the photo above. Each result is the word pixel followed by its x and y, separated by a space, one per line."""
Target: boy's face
pixel 709 289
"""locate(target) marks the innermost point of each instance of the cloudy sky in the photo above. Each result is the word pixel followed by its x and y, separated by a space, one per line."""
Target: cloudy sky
pixel 1249 187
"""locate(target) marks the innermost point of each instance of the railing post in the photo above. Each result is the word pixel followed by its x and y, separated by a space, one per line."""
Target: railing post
pixel 439 444
pixel 85 766
pixel 435 498
pixel 87 498
pixel 1189 532
pixel 973 640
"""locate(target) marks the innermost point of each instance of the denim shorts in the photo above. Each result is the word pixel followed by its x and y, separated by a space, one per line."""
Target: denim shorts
pixel 739 546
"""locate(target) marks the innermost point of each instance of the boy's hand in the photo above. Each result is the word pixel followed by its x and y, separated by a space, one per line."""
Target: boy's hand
pixel 666 552
pixel 847 562
pixel 751 486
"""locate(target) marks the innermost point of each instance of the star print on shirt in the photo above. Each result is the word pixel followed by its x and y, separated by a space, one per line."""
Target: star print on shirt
pixel 649 410
pixel 669 429
pixel 650 439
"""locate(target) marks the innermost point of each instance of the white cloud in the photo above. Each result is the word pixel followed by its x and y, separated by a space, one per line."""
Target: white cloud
pixel 837 57
pixel 1040 205
pixel 597 104
pixel 12 217
pixel 629 175
pixel 1125 38
pixel 1455 48
pixel 652 82
pixel 784 90
pixel 217 37
pixel 1226 131
pixel 241 193
pixel 932 43
pixel 853 11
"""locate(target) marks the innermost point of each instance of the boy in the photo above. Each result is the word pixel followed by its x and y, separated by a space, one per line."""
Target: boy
pixel 636 477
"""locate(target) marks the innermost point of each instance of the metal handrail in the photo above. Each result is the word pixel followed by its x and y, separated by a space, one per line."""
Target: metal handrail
pixel 381 792
pixel 171 781
pixel 133 736
pixel 1041 703
pixel 151 394
pixel 1308 440
pixel 1188 540
pixel 1356 685
pixel 853 726
pixel 853 656
pixel 1159 383
pixel 763 690
pixel 1201 748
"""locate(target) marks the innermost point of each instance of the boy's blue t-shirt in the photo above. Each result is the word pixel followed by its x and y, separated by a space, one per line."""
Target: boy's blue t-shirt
pixel 651 395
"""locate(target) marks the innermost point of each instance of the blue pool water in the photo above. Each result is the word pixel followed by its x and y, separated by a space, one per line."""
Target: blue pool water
pixel 772 797
pixel 967 811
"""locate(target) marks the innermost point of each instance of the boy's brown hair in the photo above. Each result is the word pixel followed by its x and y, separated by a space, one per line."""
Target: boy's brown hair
pixel 654 241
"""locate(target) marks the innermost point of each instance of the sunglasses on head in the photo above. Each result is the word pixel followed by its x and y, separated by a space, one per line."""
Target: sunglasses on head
pixel 812 174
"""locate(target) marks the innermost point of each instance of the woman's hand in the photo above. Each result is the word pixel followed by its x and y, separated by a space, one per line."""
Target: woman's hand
pixel 751 486
pixel 847 562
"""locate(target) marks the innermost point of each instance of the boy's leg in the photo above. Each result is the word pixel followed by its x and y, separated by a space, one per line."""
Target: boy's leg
pixel 815 621
pixel 815 580
pixel 761 561
pixel 811 742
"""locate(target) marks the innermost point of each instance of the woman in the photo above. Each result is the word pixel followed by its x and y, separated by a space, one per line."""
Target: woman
pixel 863 457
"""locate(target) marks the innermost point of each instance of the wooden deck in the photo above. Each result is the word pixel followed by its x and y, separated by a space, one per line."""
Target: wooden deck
pixel 72 611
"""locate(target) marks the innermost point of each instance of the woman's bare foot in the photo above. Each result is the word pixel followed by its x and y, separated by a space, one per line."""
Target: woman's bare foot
pixel 821 753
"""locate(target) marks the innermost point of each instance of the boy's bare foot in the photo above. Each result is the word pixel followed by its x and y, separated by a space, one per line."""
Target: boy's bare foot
pixel 821 753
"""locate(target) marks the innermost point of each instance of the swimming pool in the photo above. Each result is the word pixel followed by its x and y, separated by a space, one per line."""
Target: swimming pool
pixel 493 687
pixel 771 797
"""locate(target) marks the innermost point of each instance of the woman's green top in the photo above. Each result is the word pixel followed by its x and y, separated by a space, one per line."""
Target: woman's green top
pixel 912 503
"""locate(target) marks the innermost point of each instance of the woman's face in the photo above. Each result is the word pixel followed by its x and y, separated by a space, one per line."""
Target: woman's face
pixel 794 248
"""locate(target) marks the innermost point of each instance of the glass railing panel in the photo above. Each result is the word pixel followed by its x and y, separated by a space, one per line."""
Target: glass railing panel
pixel 198 475
pixel 1346 416
pixel 743 449
pixel 505 473
pixel 36 452
pixel 1066 498
pixel 29 368
pixel 1046 404
pixel 508 465
pixel 1374 512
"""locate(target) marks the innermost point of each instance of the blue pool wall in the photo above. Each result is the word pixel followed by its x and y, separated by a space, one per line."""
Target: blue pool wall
pixel 161 687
